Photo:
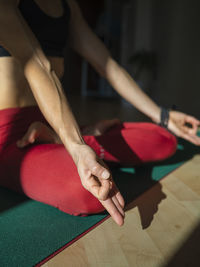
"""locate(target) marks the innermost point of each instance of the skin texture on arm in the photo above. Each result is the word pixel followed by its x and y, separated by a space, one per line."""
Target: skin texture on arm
pixel 89 46
pixel 17 38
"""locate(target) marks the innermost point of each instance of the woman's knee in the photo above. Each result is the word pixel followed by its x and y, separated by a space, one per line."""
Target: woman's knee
pixel 167 142
pixel 149 142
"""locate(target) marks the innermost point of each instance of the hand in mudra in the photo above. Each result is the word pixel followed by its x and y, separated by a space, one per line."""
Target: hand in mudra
pixel 184 126
pixel 97 179
pixel 94 174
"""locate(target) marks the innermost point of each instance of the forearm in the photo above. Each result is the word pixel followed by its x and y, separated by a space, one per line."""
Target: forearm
pixel 123 83
pixel 18 39
pixel 89 46
pixel 52 101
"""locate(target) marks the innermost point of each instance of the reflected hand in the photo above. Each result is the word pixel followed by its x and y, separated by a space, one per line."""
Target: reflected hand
pixel 96 178
pixel 184 126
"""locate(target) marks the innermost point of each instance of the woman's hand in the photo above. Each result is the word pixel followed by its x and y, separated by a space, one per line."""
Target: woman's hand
pixel 184 126
pixel 93 172
pixel 100 127
pixel 97 179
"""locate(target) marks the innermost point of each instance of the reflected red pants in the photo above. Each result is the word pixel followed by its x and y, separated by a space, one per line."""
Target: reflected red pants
pixel 46 172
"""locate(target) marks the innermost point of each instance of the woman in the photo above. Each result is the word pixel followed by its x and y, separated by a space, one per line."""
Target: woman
pixel 31 64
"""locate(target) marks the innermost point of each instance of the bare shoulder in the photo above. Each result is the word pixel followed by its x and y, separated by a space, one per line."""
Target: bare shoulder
pixel 15 34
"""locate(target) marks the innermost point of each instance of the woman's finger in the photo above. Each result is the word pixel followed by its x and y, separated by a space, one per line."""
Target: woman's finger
pixel 99 188
pixel 110 206
pixel 120 199
pixel 193 139
pixel 117 199
pixel 192 120
pixel 98 170
pixel 190 131
pixel 117 204
pixel 117 194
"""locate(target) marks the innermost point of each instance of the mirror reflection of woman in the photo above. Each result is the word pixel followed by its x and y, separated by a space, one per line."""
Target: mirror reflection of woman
pixel 43 153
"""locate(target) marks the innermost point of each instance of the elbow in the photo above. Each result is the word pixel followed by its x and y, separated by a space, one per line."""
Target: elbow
pixel 35 62
pixel 103 68
pixel 108 68
pixel 33 57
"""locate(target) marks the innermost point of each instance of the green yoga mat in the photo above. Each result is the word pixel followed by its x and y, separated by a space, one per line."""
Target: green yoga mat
pixel 31 231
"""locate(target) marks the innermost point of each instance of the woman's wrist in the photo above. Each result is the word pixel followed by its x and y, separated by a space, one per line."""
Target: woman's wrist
pixel 156 115
pixel 74 149
pixel 164 117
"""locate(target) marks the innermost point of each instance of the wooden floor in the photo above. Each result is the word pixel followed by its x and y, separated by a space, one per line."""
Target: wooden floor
pixel 162 226
pixel 163 231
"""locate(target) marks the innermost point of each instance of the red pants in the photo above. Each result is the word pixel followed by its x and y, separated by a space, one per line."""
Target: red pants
pixel 46 172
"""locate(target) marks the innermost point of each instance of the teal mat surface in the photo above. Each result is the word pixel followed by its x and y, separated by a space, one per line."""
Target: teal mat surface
pixel 31 231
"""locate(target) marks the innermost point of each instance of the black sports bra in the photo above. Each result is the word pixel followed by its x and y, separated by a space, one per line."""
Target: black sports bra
pixel 51 32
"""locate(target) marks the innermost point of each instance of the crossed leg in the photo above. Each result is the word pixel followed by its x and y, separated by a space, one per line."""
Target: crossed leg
pixel 134 143
pixel 47 173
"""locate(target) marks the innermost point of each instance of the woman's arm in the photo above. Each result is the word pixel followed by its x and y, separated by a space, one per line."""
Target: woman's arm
pixel 17 38
pixel 89 46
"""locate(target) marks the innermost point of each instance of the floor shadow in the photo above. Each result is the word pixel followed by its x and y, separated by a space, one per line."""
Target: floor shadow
pixel 188 254
pixel 132 185
pixel 147 204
